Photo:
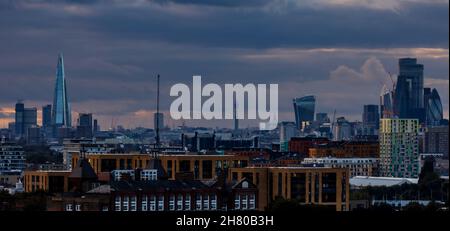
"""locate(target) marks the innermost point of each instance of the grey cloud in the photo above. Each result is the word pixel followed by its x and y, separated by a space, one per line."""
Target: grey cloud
pixel 113 52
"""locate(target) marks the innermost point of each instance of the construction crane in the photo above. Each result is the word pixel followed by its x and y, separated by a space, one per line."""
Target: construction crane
pixel 392 80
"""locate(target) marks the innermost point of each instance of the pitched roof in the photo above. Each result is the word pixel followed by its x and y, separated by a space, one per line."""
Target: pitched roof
pixel 364 181
pixel 239 183
pixel 83 170
pixel 156 185
pixel 102 189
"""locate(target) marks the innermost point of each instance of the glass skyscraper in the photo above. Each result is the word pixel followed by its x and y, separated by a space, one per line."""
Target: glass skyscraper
pixel 386 103
pixel 61 116
pixel 24 118
pixel 46 116
pixel 409 100
pixel 433 105
pixel 304 108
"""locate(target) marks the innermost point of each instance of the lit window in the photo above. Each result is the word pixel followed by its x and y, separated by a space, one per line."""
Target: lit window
pixel 198 201
pixel 244 201
pixel 187 202
pixel 133 203
pixel 118 203
pixel 252 201
pixel 153 203
pixel 125 203
pixel 77 207
pixel 69 207
pixel 213 202
pixel 206 202
pixel 172 202
pixel 144 203
pixel 180 202
pixel 161 203
pixel 237 202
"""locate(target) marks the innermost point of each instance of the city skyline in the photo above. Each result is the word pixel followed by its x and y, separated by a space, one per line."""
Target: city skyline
pixel 111 68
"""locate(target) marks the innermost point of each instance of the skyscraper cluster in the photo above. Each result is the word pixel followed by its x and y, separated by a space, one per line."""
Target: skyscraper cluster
pixel 409 99
pixel 56 117
pixel 408 122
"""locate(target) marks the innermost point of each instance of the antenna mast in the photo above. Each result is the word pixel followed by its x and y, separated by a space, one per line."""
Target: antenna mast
pixel 157 139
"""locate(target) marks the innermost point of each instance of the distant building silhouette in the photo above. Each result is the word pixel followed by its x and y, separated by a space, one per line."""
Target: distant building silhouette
pixel 304 108
pixel 85 126
pixel 371 120
pixel 25 118
pixel 158 118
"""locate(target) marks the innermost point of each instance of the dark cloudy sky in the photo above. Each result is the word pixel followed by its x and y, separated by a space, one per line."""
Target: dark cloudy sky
pixel 338 50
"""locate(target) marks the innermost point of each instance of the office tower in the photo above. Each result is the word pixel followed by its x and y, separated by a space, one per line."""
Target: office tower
pixel 386 103
pixel 24 119
pixel 47 115
pixel 34 135
pixel 12 127
pixel 29 118
pixel 84 127
pixel 96 127
pixel 236 121
pixel 61 116
pixel 287 131
pixel 436 140
pixel 304 108
pixel 371 115
pixel 409 92
pixel 433 108
pixel 20 107
pixel 371 120
pixel 399 148
pixel 322 117
pixel 158 119
pixel 342 129
pixel 47 129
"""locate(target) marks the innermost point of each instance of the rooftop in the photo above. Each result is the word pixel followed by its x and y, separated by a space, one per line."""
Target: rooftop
pixel 364 181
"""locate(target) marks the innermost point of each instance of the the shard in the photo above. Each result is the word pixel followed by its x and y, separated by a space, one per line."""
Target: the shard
pixel 61 116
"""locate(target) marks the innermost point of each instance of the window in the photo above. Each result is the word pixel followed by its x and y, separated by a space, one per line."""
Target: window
pixel 244 201
pixel 147 175
pixel 237 202
pixel 207 169
pixel 161 203
pixel 144 203
pixel 172 202
pixel 213 202
pixel 78 207
pixel 69 207
pixel 180 202
pixel 198 201
pixel 153 203
pixel 252 201
pixel 206 202
pixel 125 203
pixel 133 203
pixel 187 202
pixel 118 203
